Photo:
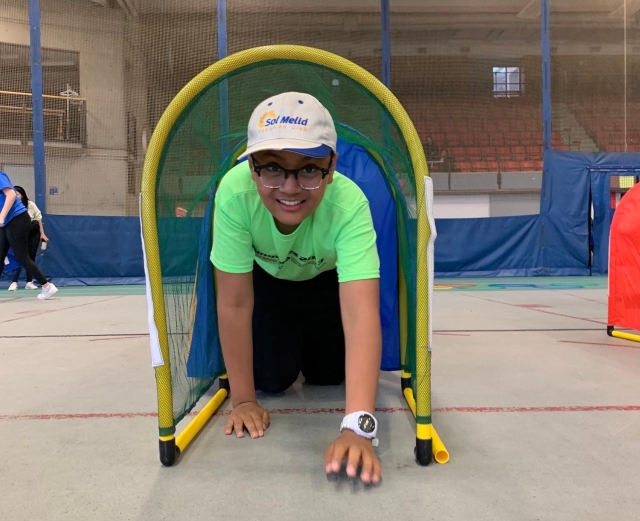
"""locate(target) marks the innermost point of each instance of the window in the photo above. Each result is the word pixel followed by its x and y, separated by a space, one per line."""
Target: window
pixel 64 117
pixel 59 69
pixel 508 82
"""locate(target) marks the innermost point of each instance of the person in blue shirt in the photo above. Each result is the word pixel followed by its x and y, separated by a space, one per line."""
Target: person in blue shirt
pixel 15 224
pixel 36 234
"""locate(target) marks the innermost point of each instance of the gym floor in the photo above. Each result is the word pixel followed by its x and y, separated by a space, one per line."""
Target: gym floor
pixel 538 407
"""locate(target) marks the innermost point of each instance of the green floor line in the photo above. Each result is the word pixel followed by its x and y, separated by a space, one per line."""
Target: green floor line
pixel 79 291
pixel 521 283
pixel 440 285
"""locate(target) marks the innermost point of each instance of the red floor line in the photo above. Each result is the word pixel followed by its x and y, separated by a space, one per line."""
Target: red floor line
pixel 46 312
pixel 537 310
pixel 309 411
pixel 628 346
pixel 5 300
pixel 557 408
pixel 587 299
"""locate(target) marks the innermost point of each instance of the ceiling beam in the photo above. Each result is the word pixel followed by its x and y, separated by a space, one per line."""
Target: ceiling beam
pixel 633 6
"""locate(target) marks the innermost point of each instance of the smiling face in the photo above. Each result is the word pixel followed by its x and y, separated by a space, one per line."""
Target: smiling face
pixel 290 204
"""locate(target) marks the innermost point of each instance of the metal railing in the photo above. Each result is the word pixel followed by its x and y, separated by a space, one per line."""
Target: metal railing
pixel 65 118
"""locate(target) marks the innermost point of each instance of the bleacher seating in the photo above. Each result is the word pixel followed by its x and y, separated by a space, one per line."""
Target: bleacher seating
pixel 604 121
pixel 483 134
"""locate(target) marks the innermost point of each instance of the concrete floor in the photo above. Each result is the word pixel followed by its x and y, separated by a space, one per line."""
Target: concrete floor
pixel 539 409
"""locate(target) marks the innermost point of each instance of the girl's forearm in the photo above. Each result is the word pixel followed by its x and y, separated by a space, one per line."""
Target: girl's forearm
pixel 363 368
pixel 359 301
pixel 237 348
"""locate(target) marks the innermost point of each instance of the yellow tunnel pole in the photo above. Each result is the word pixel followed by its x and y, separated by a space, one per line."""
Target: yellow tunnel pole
pixel 166 424
pixel 422 355
pixel 626 336
pixel 200 420
pixel 440 452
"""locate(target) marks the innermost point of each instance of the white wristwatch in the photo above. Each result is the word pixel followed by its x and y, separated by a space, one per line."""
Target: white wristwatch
pixel 363 424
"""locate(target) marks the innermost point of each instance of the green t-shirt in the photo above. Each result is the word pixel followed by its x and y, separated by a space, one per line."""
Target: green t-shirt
pixel 339 234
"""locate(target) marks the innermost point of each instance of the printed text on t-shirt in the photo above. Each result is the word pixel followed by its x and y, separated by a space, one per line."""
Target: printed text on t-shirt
pixel 292 256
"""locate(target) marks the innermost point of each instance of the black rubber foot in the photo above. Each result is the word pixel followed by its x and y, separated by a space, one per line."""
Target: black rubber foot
pixel 423 452
pixel 224 384
pixel 610 330
pixel 169 452
pixel 406 383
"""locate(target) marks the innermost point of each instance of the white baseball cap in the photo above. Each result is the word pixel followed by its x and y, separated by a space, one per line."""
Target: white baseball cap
pixel 291 121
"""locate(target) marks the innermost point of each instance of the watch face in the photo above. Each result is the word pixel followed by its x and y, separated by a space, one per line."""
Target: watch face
pixel 367 423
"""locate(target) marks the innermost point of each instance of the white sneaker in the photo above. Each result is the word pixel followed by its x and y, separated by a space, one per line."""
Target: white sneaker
pixel 13 286
pixel 30 285
pixel 48 291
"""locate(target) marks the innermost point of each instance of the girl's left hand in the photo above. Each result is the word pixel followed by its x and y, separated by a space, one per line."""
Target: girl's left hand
pixel 358 452
pixel 44 237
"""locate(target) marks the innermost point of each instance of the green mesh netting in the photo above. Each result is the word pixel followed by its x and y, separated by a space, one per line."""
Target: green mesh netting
pixel 201 148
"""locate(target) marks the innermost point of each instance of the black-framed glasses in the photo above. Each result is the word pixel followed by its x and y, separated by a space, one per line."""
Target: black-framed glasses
pixel 309 177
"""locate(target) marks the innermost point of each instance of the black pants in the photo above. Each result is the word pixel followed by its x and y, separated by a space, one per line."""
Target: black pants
pixel 34 242
pixel 296 327
pixel 15 234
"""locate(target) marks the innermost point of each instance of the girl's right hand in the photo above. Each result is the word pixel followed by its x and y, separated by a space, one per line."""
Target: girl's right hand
pixel 250 416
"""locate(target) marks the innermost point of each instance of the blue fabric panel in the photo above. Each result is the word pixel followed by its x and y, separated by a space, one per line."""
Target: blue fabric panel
pixel 566 191
pixel 205 354
pixel 602 215
pixel 565 212
pixel 92 247
pixel 356 164
pixel 490 247
pixel 108 250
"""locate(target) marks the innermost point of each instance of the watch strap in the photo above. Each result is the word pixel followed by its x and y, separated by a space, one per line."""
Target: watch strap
pixel 350 421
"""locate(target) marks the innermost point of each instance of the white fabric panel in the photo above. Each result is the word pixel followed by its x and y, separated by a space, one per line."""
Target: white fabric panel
pixel 156 353
pixel 428 194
